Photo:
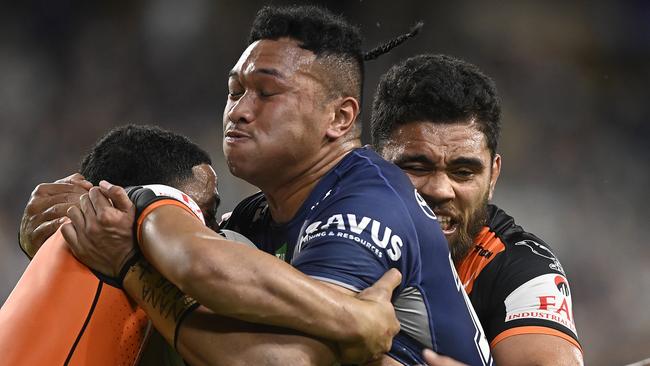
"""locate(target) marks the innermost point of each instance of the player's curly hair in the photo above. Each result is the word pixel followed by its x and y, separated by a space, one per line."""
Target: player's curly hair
pixel 134 155
pixel 439 89
pixel 335 42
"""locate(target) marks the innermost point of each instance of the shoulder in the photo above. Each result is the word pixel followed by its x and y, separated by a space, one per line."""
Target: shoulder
pixel 250 210
pixel 369 182
pixel 522 251
pixel 519 280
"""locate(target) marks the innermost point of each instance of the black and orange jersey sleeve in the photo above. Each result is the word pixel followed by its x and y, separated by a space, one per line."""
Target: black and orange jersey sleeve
pixel 60 313
pixel 516 284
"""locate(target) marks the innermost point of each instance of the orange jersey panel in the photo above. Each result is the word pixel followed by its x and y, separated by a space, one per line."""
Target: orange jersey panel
pixel 60 313
pixel 486 246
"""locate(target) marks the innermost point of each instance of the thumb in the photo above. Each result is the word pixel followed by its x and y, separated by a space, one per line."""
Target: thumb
pixel 384 287
pixel 434 359
pixel 117 195
pixel 69 233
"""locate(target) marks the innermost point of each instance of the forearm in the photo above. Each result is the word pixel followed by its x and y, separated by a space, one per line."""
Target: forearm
pixel 205 338
pixel 243 283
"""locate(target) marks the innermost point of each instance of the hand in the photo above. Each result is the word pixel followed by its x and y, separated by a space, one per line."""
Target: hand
pixel 101 233
pixel 434 359
pixel 46 209
pixel 378 321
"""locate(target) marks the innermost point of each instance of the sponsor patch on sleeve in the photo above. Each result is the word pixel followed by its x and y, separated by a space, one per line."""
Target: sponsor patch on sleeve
pixel 372 234
pixel 546 297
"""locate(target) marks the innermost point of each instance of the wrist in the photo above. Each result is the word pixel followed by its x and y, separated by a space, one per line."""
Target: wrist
pixel 165 304
pixel 127 265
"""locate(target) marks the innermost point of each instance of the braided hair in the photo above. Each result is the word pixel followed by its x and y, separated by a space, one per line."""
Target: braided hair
pixel 388 46
pixel 335 42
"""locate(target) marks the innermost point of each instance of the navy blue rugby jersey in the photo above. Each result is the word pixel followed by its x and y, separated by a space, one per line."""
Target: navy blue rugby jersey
pixel 363 218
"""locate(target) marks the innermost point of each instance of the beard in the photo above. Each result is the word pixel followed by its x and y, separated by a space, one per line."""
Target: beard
pixel 468 230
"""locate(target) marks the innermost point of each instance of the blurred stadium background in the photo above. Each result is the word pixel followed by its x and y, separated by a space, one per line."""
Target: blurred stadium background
pixel 574 78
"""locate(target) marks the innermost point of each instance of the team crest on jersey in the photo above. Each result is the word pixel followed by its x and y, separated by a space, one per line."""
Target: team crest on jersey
pixel 351 227
pixel 424 206
pixel 546 297
pixel 544 252
pixel 327 194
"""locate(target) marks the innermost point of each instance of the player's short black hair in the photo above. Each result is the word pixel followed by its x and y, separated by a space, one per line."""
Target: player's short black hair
pixel 133 155
pixel 439 89
pixel 335 42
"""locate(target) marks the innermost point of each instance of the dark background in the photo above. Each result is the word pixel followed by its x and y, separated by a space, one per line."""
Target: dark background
pixel 573 77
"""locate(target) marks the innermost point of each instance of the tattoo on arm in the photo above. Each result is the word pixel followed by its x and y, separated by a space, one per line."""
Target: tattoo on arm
pixel 161 294
pixel 163 302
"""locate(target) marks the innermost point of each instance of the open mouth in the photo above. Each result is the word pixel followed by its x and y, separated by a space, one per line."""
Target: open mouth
pixel 447 224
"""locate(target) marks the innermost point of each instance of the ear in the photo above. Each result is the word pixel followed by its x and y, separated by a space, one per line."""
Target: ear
pixel 345 116
pixel 494 176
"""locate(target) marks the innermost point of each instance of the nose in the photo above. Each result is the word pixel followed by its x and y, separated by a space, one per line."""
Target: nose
pixel 436 188
pixel 241 110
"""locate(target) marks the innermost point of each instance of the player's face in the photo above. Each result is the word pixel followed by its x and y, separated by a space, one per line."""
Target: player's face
pixel 202 188
pixel 451 167
pixel 274 121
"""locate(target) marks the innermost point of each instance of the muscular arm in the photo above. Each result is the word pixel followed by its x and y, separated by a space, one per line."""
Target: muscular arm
pixel 536 349
pixel 243 283
pixel 205 338
pixel 229 278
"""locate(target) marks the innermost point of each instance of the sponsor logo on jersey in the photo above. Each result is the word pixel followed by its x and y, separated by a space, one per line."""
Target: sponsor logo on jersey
pixel 562 285
pixel 281 253
pixel 546 297
pixel 423 205
pixel 482 252
pixel 352 227
pixel 544 252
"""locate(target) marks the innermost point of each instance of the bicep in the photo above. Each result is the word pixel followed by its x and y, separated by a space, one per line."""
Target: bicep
pixel 536 349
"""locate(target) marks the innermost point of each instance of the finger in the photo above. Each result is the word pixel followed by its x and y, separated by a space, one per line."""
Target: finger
pixel 71 177
pixel 76 179
pixel 73 236
pixel 50 189
pixel 45 230
pixel 83 184
pixel 70 236
pixel 434 359
pixel 77 217
pixel 87 208
pixel 391 279
pixel 98 199
pixel 116 194
pixel 55 211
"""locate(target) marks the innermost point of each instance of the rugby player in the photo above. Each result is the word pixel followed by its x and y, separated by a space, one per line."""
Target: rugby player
pixel 115 330
pixel 438 119
pixel 336 211
pixel 62 313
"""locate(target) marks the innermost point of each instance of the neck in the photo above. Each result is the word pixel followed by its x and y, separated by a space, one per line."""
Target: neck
pixel 286 196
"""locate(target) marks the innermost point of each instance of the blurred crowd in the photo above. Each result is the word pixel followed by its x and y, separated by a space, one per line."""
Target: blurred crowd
pixel 574 80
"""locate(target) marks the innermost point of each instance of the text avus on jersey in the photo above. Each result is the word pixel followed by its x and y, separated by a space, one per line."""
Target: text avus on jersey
pixel 362 230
